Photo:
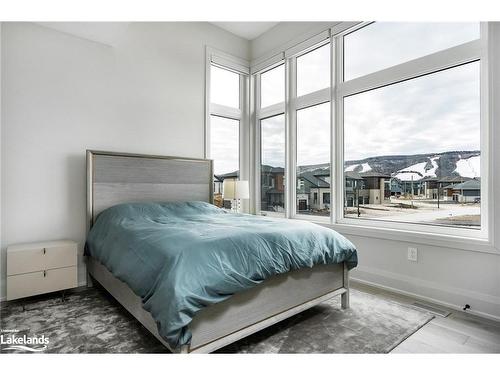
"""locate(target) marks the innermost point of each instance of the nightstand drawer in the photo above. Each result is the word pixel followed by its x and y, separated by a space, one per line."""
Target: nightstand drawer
pixel 29 284
pixel 40 257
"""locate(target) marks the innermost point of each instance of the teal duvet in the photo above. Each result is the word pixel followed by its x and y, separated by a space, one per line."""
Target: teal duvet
pixel 181 257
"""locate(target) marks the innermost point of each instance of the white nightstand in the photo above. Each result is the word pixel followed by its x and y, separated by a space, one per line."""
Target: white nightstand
pixel 42 267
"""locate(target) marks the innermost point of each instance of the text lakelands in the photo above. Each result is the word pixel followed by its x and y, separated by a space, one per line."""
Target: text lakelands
pixel 23 340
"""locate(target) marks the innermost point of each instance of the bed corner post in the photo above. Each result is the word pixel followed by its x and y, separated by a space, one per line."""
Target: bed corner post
pixel 90 283
pixel 345 296
pixel 89 182
pixel 184 349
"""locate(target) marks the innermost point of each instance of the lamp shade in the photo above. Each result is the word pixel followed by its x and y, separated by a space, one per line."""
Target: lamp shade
pixel 234 189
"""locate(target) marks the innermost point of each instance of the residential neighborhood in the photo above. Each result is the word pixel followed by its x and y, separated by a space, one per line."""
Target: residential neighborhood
pixel 421 190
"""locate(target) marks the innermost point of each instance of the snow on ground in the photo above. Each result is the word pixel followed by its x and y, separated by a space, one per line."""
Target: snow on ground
pixel 351 168
pixel 417 171
pixel 469 167
pixel 365 167
pixel 425 213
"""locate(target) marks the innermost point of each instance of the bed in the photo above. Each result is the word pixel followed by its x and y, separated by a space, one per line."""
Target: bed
pixel 135 194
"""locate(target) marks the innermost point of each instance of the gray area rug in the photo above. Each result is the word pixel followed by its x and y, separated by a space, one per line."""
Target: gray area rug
pixel 91 321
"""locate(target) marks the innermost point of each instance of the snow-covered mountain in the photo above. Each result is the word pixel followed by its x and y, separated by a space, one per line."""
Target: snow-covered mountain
pixel 417 167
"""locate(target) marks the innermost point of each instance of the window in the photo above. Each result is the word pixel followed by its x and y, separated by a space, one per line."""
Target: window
pixel 224 144
pixel 391 43
pixel 225 87
pixel 414 144
pixel 313 158
pixel 271 120
pixel 223 125
pixel 406 115
pixel 326 198
pixel 272 86
pixel 272 168
pixel 313 70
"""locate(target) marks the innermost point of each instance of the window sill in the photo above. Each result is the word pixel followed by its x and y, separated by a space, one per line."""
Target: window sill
pixel 431 239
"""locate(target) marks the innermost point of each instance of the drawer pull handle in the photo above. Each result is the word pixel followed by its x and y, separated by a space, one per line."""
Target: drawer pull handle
pixel 44 251
pixel 44 273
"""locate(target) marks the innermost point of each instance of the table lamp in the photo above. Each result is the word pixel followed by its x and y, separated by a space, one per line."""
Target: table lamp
pixel 236 190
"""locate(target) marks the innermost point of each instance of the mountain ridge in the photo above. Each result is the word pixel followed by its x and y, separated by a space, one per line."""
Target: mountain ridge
pixel 440 165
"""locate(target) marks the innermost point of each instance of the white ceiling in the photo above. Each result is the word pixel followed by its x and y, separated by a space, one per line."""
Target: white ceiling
pixel 247 30
pixel 110 32
pixel 102 32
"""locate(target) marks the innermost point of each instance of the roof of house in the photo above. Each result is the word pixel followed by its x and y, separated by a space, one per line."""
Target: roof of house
pixel 322 172
pixel 269 169
pixel 315 181
pixel 453 179
pixel 468 185
pixel 353 175
pixel 429 178
pixel 227 175
pixel 373 174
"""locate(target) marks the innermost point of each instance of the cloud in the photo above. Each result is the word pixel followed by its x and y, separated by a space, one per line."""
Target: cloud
pixel 224 144
pixel 430 114
pixel 273 141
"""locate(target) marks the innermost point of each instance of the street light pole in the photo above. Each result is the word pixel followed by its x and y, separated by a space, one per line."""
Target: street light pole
pixel 411 191
pixel 439 192
pixel 357 196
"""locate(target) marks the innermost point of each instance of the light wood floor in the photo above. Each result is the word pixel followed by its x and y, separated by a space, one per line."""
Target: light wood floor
pixel 459 332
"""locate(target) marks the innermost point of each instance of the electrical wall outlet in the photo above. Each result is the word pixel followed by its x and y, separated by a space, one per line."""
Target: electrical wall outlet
pixel 412 254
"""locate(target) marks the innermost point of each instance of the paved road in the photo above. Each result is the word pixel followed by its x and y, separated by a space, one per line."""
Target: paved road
pixel 427 215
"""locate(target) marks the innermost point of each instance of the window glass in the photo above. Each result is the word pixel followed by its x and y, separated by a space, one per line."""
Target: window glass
pixel 412 150
pixel 313 160
pixel 313 70
pixel 272 90
pixel 272 169
pixel 224 87
pixel 381 45
pixel 224 151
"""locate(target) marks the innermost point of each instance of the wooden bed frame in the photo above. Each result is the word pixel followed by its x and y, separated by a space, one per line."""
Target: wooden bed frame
pixel 114 178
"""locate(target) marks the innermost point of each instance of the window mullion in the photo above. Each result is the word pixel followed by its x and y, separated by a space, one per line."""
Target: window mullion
pixel 292 137
pixel 437 61
pixel 337 131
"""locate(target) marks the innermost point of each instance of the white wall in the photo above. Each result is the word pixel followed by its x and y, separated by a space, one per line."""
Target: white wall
pixel 62 95
pixel 442 274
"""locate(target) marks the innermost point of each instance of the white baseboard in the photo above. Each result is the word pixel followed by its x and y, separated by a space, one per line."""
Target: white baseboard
pixel 482 305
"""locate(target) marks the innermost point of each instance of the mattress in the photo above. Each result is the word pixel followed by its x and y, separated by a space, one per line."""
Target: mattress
pixel 180 257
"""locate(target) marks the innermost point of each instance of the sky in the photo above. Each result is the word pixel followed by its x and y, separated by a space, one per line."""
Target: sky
pixel 429 114
pixel 273 86
pixel 224 143
pixel 273 141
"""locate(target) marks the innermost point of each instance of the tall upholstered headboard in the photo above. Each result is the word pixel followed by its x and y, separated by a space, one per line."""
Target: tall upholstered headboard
pixel 114 178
